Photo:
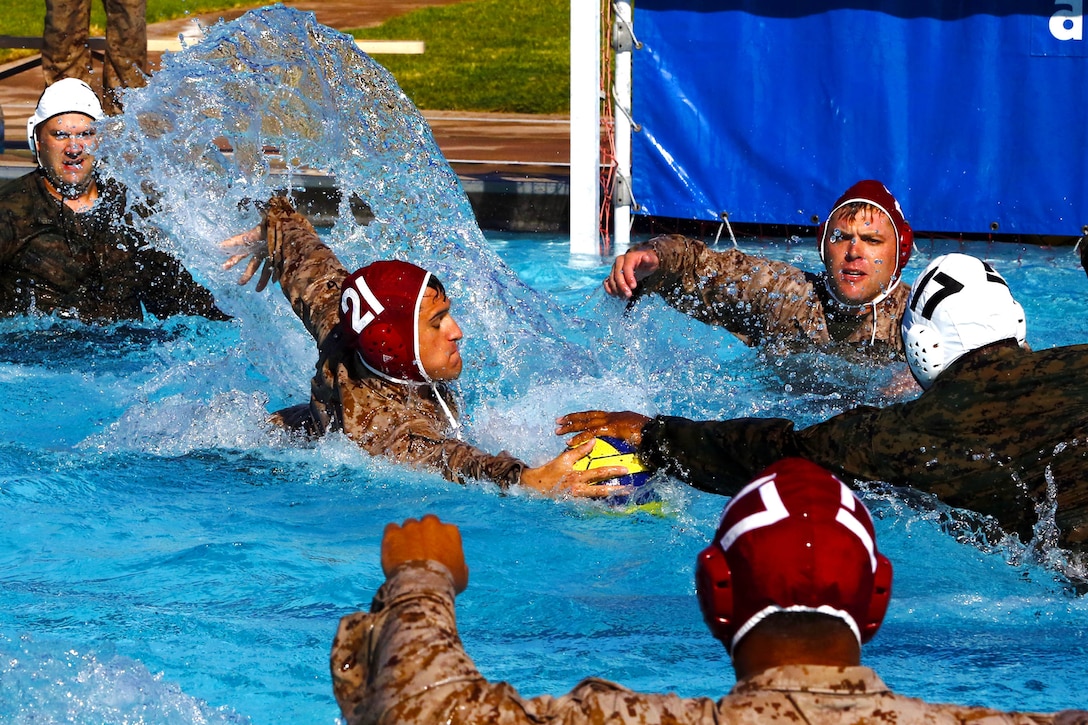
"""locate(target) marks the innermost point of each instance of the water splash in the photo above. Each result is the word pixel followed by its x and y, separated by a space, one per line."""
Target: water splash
pixel 156 563
pixel 276 79
pixel 269 101
pixel 86 688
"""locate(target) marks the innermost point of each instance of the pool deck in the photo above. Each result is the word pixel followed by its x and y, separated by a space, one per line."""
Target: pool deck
pixel 514 168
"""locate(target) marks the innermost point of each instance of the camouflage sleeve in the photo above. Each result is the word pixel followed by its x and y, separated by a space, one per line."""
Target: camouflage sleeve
pixel 382 420
pixel 723 456
pixel 309 273
pixel 867 443
pixel 716 456
pixel 8 245
pixel 747 295
pixel 455 460
pixel 168 289
pixel 462 461
pixel 404 663
pixel 14 205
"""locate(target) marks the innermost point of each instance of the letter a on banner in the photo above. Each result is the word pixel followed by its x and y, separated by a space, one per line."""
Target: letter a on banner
pixel 1068 24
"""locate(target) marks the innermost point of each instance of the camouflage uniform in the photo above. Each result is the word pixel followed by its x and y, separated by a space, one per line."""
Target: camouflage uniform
pixel 404 663
pixel 764 302
pixel 402 421
pixel 65 52
pixel 93 265
pixel 1002 431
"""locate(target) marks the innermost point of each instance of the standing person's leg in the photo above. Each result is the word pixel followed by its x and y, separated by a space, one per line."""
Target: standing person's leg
pixel 64 43
pixel 126 50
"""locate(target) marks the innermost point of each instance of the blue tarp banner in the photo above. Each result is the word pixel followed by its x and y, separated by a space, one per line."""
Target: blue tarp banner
pixel 975 114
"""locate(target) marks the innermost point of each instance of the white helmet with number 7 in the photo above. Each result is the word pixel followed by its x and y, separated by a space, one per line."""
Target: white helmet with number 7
pixel 958 304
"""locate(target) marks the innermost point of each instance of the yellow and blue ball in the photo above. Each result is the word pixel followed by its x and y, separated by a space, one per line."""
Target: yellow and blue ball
pixel 608 451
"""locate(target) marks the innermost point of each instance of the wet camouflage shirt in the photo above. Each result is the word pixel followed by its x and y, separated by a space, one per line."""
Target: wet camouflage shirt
pixel 404 663
pixel 93 265
pixel 1002 431
pixel 401 421
pixel 764 302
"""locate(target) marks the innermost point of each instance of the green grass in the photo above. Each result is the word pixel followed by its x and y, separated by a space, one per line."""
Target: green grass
pixel 27 17
pixel 481 55
pixel 485 55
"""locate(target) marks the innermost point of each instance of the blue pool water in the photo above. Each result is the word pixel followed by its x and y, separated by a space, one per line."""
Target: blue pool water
pixel 167 557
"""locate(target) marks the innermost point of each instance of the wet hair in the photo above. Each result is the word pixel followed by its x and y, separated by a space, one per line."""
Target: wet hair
pixel 804 620
pixel 853 209
pixel 802 625
pixel 436 284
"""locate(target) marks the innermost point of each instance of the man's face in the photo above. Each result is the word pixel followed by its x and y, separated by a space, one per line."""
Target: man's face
pixel 66 152
pixel 860 255
pixel 438 336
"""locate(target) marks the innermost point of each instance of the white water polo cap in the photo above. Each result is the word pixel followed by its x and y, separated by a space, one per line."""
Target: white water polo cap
pixel 958 304
pixel 68 95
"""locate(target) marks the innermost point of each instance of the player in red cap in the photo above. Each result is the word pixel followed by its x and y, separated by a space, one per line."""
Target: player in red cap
pixel 857 302
pixel 387 346
pixel 795 540
pixel 792 584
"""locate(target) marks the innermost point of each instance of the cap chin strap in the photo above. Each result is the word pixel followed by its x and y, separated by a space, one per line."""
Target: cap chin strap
pixel 774 609
pixel 454 423
pixel 873 302
pixel 68 190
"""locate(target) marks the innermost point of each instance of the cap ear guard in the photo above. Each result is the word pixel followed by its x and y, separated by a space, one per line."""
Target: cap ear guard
pixel 1021 325
pixel 925 353
pixel 958 304
pixel 882 594
pixel 714 587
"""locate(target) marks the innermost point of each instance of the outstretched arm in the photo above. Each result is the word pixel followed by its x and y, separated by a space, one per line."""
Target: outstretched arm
pixel 750 296
pixel 629 269
pixel 404 662
pixel 558 477
pixel 284 247
pixel 589 424
pixel 426 539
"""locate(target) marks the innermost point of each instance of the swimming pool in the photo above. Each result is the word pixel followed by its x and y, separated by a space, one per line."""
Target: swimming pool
pixel 169 558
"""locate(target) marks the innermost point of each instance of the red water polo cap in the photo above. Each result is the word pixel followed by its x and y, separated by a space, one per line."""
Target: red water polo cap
pixel 379 317
pixel 794 539
pixel 875 193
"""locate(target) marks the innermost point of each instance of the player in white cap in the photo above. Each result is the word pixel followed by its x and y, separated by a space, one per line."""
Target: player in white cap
pixel 67 246
pixel 999 429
